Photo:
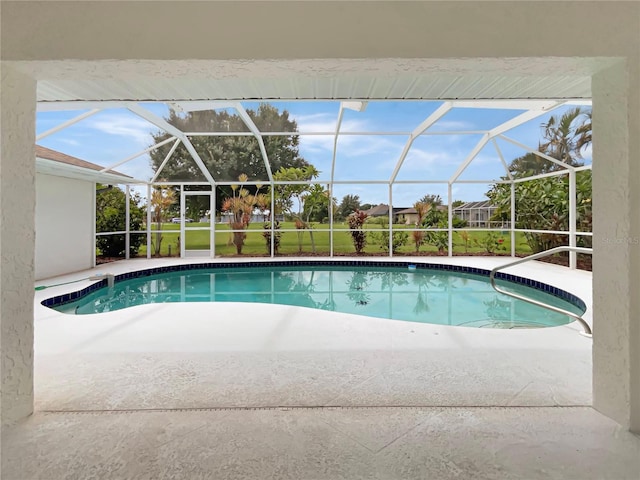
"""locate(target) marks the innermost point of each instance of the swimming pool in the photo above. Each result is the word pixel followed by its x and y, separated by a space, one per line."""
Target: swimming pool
pixel 437 294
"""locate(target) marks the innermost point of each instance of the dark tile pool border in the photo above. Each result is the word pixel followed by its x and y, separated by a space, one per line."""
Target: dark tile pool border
pixel 557 292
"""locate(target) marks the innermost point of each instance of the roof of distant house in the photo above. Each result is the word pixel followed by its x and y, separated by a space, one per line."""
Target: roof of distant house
pixel 58 164
pixel 383 209
pixel 407 211
pixel 48 154
pixel 480 204
pixel 378 210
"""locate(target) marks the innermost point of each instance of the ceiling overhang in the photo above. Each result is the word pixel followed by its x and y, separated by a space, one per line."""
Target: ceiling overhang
pixel 319 79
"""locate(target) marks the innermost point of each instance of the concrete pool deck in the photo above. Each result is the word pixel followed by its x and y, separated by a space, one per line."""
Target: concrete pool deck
pixel 209 355
pixel 247 391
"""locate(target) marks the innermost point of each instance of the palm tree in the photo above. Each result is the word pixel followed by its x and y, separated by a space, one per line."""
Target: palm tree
pixel 584 134
pixel 240 207
pixel 566 136
pixel 422 209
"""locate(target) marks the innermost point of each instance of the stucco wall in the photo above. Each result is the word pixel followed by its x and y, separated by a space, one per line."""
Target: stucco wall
pixel 64 216
pixel 97 40
pixel 17 205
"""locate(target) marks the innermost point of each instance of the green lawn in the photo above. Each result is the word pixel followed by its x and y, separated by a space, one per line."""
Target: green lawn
pixel 256 244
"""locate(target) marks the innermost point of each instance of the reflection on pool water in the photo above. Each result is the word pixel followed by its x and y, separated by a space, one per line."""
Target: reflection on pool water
pixel 421 295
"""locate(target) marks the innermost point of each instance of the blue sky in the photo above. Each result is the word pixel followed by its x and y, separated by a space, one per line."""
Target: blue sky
pixel 115 134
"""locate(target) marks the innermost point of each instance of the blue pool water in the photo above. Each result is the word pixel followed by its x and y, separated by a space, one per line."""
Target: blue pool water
pixel 400 293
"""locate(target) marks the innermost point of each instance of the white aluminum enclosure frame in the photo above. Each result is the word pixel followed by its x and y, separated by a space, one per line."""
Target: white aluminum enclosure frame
pixel 533 109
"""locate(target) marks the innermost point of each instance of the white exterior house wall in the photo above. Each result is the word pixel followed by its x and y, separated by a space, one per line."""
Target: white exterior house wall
pixel 64 220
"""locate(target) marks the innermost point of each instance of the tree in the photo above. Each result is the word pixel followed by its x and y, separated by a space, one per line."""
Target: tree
pixel 228 157
pixel 567 135
pixel 565 138
pixel 111 205
pixel 162 200
pixel 348 205
pixel 583 133
pixel 543 204
pixel 196 206
pixel 284 196
pixel 434 200
pixel 531 164
pixel 316 204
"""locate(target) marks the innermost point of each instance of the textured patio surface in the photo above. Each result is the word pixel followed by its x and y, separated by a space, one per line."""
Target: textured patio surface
pixel 361 443
pixel 244 391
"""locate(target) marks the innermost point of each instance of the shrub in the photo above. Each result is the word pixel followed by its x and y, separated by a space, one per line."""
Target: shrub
pixel 490 242
pixel 358 236
pixel 110 217
pixel 398 240
pixel 276 236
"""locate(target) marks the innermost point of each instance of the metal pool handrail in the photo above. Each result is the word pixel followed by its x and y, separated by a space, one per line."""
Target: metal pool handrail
pixel 492 278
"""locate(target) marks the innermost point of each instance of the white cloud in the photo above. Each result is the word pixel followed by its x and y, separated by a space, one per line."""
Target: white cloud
pixel 348 145
pixel 357 146
pixel 418 159
pixel 316 122
pixel 317 143
pixel 123 125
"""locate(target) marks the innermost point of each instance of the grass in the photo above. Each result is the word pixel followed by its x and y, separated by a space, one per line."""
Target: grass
pixel 256 244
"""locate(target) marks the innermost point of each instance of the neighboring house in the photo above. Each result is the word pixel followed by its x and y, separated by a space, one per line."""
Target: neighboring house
pixel 65 211
pixel 478 214
pixel 256 217
pixel 408 216
pixel 382 210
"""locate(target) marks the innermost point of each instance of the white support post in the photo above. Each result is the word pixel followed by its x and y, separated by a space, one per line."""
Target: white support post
pixel 333 171
pixel 127 221
pixel 573 258
pixel 330 188
pixel 513 219
pixel 149 221
pixel 391 220
pixel 212 222
pixel 93 226
pixel 450 219
pixel 331 208
pixel 272 248
pixel 183 239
